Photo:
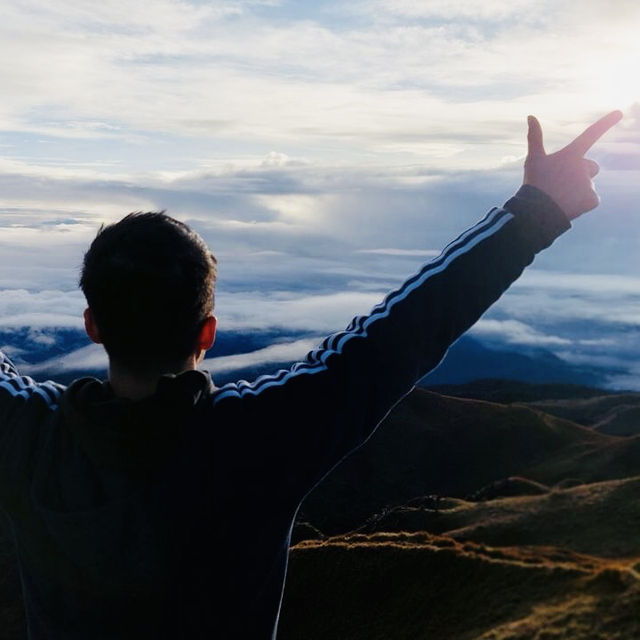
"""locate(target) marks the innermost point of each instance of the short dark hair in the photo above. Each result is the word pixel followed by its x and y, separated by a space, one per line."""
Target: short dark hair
pixel 149 282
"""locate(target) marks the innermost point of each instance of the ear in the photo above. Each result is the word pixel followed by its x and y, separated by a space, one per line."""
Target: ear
pixel 91 327
pixel 207 334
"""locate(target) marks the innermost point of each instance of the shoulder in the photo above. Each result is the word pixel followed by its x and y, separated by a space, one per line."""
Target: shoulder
pixel 16 389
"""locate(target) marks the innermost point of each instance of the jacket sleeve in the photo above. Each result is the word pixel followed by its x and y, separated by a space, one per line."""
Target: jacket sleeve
pixel 306 419
pixel 16 391
pixel 25 405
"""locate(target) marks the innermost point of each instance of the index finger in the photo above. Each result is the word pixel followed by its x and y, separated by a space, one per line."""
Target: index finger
pixel 592 134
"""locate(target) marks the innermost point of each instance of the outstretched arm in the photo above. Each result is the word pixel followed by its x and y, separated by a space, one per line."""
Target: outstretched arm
pixel 308 418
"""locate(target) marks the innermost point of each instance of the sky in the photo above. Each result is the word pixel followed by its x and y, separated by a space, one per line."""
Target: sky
pixel 324 150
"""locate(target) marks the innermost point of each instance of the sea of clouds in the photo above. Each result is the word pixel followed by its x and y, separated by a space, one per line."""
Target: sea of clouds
pixel 298 261
pixel 324 151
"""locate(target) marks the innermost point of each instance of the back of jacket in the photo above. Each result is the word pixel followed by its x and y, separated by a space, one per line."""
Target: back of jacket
pixel 171 516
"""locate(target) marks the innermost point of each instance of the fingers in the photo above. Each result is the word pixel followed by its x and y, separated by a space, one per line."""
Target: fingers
pixel 534 137
pixel 593 133
pixel 591 201
pixel 592 167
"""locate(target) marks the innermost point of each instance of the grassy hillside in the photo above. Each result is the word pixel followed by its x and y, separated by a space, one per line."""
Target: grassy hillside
pixel 435 444
pixel 413 586
pixel 514 524
pixel 563 564
pixel 601 519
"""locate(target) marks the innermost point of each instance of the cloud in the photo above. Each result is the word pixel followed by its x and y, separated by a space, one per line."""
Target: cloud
pixel 94 357
pixel 622 161
pixel 91 357
pixel 515 332
pixel 300 223
pixel 402 252
pixel 557 297
pixel 293 311
pixel 47 308
pixel 187 71
pixel 466 9
pixel 277 353
pixel 297 249
pixel 587 284
pixel 318 148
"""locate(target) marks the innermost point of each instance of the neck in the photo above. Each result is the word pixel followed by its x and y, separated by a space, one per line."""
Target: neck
pixel 137 386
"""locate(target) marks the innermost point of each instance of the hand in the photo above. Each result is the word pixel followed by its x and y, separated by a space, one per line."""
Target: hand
pixel 566 175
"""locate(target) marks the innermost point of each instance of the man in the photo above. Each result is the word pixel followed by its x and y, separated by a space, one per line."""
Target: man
pixel 157 506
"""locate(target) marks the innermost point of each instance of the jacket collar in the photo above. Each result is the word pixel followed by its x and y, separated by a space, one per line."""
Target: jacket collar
pixel 133 436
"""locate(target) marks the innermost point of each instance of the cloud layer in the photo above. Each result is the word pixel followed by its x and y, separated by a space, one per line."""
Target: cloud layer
pixel 323 150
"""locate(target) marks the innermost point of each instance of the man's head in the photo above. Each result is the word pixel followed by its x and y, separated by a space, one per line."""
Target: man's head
pixel 149 282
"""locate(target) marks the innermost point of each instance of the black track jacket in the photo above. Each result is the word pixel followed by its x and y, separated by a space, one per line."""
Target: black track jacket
pixel 170 517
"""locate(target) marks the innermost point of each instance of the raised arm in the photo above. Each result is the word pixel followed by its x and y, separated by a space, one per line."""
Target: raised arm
pixel 308 418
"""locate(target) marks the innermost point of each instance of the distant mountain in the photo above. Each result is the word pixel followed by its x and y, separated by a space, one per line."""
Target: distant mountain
pixel 469 359
pixel 508 391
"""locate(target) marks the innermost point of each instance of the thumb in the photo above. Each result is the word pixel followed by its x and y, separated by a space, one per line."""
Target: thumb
pixel 534 137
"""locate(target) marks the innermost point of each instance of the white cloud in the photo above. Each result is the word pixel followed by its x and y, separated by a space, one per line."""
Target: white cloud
pixel 91 357
pixel 586 284
pixel 546 297
pixel 48 308
pixel 515 332
pixel 426 253
pixel 277 353
pixel 94 357
pixel 316 152
pixel 630 382
pixel 489 10
pixel 275 159
pixel 408 89
pixel 42 320
pixel 292 310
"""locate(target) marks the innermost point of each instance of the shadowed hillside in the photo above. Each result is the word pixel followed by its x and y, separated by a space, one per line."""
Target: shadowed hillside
pixel 611 414
pixel 607 412
pixel 434 444
pixel 508 391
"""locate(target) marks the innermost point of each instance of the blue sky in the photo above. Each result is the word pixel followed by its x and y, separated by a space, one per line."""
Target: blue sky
pixel 324 150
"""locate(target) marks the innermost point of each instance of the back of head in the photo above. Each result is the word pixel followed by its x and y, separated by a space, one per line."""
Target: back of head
pixel 149 282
